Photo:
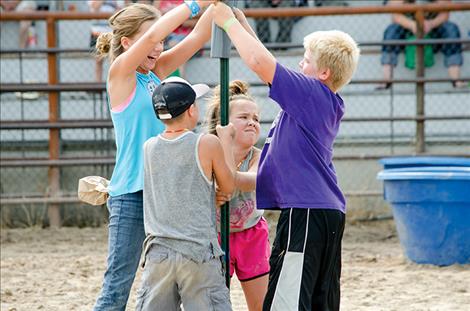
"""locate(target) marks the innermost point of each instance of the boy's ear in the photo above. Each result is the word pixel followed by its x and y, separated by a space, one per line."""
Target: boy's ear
pixel 191 109
pixel 324 74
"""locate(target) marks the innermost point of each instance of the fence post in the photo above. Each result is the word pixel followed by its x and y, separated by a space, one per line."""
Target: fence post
pixel 420 131
pixel 53 210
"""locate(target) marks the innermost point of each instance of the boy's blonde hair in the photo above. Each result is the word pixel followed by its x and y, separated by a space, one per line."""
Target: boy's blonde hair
pixel 237 90
pixel 124 23
pixel 334 50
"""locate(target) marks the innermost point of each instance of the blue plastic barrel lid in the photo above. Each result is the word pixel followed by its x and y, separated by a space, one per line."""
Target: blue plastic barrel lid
pixel 398 162
pixel 428 172
pixel 426 184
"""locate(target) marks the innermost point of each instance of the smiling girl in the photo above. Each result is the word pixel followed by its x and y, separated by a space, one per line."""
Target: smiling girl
pixel 249 234
pixel 138 64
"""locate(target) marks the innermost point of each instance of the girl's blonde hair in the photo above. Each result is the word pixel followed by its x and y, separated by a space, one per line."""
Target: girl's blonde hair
pixel 124 23
pixel 334 50
pixel 237 90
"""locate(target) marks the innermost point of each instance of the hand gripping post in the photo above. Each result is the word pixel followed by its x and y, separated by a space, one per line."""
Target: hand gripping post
pixel 220 48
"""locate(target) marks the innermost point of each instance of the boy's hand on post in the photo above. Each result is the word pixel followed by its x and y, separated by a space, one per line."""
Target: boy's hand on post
pixel 221 197
pixel 221 13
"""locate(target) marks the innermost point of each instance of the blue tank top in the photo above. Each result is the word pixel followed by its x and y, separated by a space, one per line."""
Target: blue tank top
pixel 132 127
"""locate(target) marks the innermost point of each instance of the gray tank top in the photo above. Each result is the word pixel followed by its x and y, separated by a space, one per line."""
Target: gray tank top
pixel 179 200
pixel 243 212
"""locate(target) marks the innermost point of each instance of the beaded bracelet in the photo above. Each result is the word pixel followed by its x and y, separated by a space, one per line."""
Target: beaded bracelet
pixel 193 7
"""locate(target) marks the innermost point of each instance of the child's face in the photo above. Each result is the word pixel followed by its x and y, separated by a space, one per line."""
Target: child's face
pixel 307 66
pixel 150 61
pixel 244 115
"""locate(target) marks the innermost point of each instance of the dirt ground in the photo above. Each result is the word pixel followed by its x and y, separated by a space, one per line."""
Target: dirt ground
pixel 62 269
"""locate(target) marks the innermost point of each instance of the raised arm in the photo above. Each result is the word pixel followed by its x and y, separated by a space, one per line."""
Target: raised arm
pixel 211 152
pixel 183 51
pixel 126 64
pixel 251 50
pixel 188 23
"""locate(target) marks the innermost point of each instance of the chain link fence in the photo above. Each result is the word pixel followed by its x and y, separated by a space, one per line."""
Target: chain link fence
pixel 382 118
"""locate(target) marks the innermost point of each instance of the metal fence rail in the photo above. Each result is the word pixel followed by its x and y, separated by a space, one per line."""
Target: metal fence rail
pixel 59 146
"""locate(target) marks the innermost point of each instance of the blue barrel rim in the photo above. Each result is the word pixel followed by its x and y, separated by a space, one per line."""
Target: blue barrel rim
pixel 426 172
pixel 429 160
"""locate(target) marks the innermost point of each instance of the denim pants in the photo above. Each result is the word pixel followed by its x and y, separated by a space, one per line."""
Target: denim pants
pixel 448 30
pixel 126 235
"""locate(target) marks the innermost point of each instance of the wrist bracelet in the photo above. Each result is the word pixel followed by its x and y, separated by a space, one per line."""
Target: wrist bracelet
pixel 228 23
pixel 193 7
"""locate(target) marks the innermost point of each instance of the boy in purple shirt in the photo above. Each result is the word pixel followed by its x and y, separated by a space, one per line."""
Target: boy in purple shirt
pixel 296 173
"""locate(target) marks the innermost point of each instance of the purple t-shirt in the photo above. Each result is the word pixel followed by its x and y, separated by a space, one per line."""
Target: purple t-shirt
pixel 295 168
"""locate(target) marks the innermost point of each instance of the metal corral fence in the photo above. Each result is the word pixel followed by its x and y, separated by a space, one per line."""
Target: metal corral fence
pixel 56 128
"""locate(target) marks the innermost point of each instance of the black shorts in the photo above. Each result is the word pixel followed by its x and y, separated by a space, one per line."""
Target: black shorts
pixel 306 261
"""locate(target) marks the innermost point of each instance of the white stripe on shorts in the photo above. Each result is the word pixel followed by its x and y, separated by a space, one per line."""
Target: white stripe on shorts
pixel 287 294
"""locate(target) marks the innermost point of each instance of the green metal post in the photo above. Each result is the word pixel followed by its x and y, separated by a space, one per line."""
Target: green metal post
pixel 220 48
pixel 225 210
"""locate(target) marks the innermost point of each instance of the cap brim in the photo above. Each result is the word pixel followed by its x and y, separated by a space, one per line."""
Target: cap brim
pixel 200 89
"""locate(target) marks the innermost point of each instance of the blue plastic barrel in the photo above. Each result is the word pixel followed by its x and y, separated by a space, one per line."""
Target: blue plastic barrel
pixel 402 162
pixel 431 208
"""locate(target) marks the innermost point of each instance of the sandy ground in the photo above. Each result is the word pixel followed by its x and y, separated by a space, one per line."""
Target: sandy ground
pixel 44 269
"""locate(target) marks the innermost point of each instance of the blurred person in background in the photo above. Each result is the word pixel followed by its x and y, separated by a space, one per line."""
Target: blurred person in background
pixel 285 24
pixel 436 26
pixel 101 26
pixel 27 35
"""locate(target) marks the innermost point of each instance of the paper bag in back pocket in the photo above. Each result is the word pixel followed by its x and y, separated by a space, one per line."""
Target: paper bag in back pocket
pixel 93 190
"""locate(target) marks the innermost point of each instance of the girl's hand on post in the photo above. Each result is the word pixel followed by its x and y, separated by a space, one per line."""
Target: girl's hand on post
pixel 225 133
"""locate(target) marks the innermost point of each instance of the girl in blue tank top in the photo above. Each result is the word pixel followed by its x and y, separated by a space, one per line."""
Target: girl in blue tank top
pixel 138 63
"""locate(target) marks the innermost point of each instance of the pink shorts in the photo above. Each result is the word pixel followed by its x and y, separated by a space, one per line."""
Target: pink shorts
pixel 250 251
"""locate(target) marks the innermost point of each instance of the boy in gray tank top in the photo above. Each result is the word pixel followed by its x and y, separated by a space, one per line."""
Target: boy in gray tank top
pixel 182 257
